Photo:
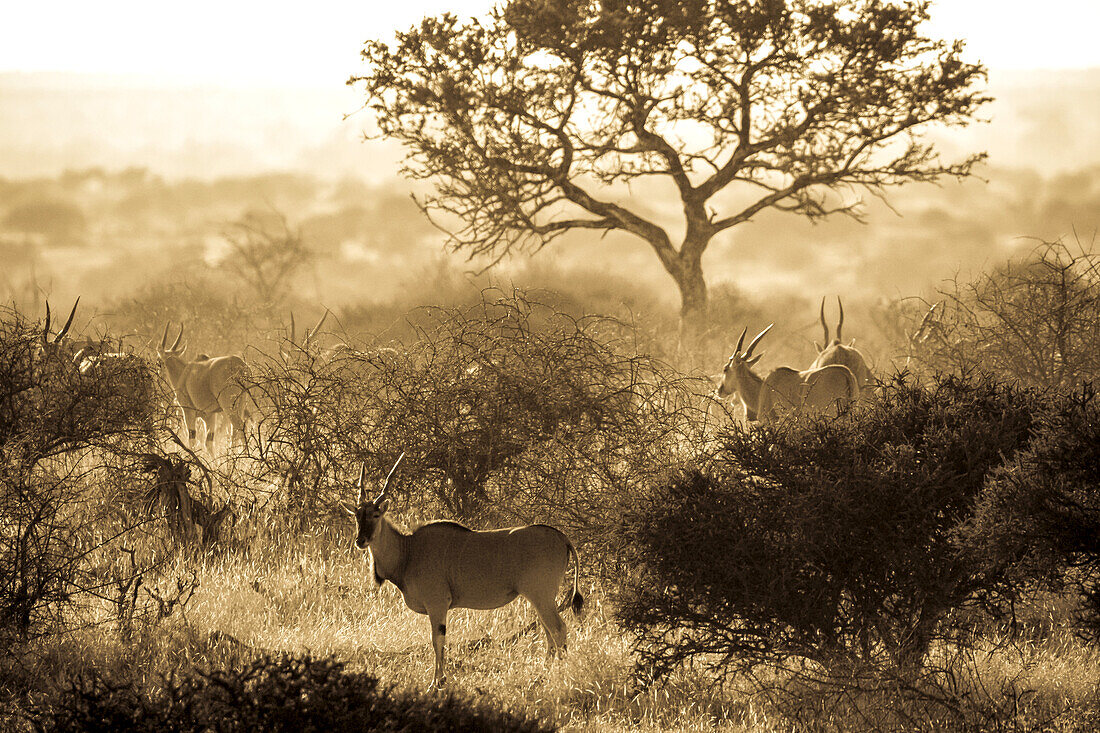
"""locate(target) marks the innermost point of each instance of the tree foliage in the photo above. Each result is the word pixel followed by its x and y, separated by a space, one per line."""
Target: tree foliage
pixel 532 122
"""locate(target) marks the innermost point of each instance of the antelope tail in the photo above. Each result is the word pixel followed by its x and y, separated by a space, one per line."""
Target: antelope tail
pixel 574 599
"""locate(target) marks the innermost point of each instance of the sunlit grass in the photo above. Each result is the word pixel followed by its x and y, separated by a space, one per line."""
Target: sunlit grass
pixel 312 593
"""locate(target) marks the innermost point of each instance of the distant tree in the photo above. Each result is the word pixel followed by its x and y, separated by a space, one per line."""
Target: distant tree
pixel 265 253
pixel 536 121
pixel 58 222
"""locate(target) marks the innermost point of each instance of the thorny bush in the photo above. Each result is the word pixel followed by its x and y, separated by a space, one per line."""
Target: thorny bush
pixel 1039 518
pixel 507 410
pixel 1035 319
pixel 282 693
pixel 63 429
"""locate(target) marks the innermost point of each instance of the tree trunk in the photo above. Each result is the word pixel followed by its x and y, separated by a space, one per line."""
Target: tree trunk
pixel 693 297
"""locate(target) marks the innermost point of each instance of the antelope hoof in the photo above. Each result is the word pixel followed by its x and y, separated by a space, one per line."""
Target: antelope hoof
pixel 437 684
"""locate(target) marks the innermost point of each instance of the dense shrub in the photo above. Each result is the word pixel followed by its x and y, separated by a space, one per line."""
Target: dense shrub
pixel 1039 517
pixel 269 694
pixel 830 540
pixel 1035 319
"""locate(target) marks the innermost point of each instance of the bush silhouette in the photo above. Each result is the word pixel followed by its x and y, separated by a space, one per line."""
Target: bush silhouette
pixel 283 693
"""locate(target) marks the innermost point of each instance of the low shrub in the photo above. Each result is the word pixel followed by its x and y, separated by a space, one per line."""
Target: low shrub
pixel 284 693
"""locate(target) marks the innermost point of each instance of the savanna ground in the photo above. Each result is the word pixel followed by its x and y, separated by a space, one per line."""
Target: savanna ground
pixel 313 593
pixel 284 578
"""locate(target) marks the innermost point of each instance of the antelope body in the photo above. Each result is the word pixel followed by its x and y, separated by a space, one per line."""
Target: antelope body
pixel 444 565
pixel 784 390
pixel 834 352
pixel 206 388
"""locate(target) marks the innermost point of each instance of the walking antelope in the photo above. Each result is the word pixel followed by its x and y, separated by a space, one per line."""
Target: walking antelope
pixel 207 387
pixel 834 352
pixel 784 389
pixel 444 565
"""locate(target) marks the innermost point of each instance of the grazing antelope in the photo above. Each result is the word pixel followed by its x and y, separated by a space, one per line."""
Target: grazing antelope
pixel 784 389
pixel 207 387
pixel 444 565
pixel 834 352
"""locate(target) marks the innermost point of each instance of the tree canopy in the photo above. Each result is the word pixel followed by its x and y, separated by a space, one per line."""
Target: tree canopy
pixel 534 121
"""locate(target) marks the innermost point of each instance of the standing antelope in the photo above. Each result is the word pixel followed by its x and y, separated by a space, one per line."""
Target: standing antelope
pixel 207 387
pixel 834 352
pixel 783 390
pixel 444 565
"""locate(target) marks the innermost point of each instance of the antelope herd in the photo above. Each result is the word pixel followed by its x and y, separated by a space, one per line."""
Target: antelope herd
pixel 444 565
pixel 212 388
pixel 832 382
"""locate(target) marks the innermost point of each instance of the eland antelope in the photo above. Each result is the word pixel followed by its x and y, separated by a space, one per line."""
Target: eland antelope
pixel 53 344
pixel 834 352
pixel 292 345
pixel 444 565
pixel 207 387
pixel 784 389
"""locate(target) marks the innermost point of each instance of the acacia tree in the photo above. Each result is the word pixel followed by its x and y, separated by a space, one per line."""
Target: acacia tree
pixel 533 123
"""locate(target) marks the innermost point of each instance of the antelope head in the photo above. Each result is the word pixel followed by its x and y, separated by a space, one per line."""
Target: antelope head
pixel 307 342
pixel 368 514
pixel 52 343
pixel 738 371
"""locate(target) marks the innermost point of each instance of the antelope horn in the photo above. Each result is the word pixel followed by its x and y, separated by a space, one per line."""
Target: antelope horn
pixel 386 485
pixel 362 474
pixel 924 322
pixel 65 329
pixel 177 341
pixel 840 323
pixel 164 337
pixel 46 328
pixel 756 340
pixel 741 340
pixel 824 325
pixel 292 329
pixel 311 334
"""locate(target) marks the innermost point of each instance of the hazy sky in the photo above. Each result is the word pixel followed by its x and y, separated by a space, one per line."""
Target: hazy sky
pixel 317 43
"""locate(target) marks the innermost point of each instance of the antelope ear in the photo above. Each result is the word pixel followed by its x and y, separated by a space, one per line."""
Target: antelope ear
pixel 818 347
pixel 348 508
pixel 383 505
pixel 752 361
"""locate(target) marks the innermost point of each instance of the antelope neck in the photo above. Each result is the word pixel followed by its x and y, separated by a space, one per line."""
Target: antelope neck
pixel 748 388
pixel 389 551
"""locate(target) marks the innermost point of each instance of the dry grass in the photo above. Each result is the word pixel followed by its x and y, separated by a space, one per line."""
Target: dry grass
pixel 314 593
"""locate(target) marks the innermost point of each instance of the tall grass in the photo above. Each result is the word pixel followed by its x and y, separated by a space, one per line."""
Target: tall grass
pixel 313 593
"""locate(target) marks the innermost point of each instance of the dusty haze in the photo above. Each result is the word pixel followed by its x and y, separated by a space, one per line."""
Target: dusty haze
pixel 196 157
